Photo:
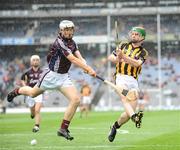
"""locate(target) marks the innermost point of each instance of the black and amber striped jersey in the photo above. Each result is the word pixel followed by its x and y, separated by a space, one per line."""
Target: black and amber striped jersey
pixel 138 53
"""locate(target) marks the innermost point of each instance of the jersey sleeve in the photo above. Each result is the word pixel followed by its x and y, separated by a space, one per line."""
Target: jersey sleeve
pixel 143 56
pixel 120 46
pixel 64 49
pixel 114 53
pixel 76 47
pixel 24 76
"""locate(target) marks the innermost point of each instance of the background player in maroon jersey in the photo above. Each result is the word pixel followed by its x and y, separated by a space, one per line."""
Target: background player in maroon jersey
pixel 30 78
pixel 63 52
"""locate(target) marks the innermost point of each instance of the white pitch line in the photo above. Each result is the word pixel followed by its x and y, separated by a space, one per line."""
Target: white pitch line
pixel 83 128
pixel 78 133
pixel 25 134
pixel 92 147
pixel 123 132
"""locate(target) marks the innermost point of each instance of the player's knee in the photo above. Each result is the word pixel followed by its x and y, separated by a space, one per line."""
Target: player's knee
pixel 125 100
pixel 37 111
pixel 134 95
pixel 76 101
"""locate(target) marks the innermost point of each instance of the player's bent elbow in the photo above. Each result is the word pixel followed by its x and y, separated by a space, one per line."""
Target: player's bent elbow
pixel 112 59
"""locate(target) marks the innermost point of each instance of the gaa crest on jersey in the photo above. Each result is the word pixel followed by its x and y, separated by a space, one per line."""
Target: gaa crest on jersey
pixel 31 75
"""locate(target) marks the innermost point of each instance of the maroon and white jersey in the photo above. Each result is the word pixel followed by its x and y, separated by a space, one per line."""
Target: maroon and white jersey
pixel 31 76
pixel 58 52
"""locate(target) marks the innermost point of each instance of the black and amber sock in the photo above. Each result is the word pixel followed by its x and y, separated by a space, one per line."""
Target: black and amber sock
pixel 116 125
pixel 37 125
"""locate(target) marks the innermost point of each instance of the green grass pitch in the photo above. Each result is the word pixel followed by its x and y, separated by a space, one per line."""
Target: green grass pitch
pixel 160 131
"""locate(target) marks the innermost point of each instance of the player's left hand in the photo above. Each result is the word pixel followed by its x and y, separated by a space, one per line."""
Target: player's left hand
pixel 120 54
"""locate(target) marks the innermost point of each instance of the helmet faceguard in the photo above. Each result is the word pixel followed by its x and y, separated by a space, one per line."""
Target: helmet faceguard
pixel 64 26
pixel 139 30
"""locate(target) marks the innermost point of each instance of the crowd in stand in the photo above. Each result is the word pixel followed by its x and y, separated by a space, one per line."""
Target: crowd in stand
pixel 12 67
pixel 10 72
pixel 89 26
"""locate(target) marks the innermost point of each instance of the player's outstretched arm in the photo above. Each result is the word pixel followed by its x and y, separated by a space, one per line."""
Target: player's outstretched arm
pixel 78 55
pixel 81 64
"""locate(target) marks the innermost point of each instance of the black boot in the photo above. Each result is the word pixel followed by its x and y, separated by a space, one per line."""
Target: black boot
pixel 113 131
pixel 112 134
pixel 65 133
pixel 12 95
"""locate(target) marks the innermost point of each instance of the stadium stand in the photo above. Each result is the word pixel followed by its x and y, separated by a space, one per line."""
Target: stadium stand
pixel 14 57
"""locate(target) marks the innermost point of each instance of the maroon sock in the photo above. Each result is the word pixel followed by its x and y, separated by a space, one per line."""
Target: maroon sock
pixel 65 124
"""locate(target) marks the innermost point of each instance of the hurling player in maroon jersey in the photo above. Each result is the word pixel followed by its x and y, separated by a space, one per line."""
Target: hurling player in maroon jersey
pixel 30 78
pixel 63 52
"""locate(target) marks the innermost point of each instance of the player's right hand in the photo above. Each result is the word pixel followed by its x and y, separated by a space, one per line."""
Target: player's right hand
pixel 91 71
pixel 120 54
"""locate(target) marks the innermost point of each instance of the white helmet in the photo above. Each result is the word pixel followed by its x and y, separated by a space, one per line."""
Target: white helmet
pixel 66 24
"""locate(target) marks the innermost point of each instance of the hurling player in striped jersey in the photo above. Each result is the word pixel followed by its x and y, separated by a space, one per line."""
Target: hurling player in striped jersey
pixel 129 58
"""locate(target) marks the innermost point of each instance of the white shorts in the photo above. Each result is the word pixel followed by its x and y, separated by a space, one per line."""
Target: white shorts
pixel 31 101
pixel 141 101
pixel 52 80
pixel 86 100
pixel 126 81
